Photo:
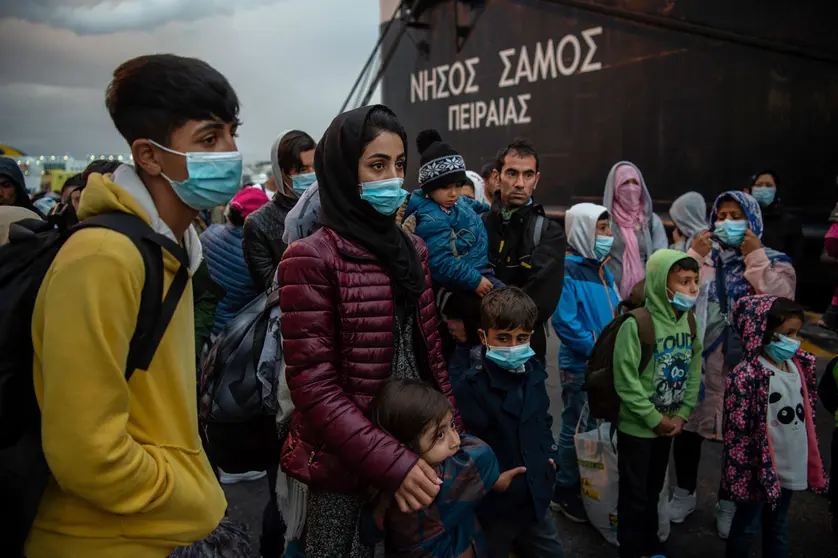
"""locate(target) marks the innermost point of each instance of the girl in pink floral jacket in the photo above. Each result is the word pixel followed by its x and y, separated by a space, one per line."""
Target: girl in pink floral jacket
pixel 770 447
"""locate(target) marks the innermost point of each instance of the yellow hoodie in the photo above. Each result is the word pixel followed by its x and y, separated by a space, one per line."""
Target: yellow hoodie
pixel 130 478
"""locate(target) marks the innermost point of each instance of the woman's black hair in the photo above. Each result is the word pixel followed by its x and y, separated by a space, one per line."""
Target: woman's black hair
pixel 406 409
pixel 760 173
pixel 381 119
pixel 783 309
pixel 235 216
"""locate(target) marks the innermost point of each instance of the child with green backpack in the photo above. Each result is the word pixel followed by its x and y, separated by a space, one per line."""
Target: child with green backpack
pixel 655 402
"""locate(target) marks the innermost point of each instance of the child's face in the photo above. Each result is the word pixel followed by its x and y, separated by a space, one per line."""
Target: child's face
pixel 603 228
pixel 789 328
pixel 468 191
pixel 448 196
pixel 505 337
pixel 439 441
pixel 683 281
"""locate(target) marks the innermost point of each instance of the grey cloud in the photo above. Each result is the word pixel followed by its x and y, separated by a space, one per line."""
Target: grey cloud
pixel 103 18
pixel 292 63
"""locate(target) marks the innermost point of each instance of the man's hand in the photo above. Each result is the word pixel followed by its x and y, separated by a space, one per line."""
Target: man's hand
pixel 457 329
pixel 484 288
pixel 678 423
pixel 418 489
pixel 751 243
pixel 553 463
pixel 505 478
pixel 702 243
pixel 665 427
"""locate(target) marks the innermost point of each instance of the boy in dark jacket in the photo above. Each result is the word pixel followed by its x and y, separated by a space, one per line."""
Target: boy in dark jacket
pixel 504 402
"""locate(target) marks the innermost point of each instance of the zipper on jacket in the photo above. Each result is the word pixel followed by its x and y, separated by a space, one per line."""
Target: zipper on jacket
pixel 314 452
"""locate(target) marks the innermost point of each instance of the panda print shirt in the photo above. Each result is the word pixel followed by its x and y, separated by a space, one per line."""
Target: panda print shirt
pixel 786 426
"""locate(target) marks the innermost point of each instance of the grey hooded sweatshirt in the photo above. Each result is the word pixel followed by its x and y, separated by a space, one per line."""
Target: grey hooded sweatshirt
pixel 649 240
pixel 689 212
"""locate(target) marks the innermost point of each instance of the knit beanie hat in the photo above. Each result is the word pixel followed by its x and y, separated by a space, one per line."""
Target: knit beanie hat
pixel 440 164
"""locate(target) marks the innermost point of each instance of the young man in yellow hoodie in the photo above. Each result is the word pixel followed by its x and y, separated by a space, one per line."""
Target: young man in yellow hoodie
pixel 129 475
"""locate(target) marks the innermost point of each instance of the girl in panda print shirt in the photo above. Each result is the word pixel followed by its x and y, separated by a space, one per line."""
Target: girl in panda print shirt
pixel 770 448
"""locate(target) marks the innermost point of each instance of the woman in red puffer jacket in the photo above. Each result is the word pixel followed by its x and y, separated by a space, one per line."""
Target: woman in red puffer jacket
pixel 357 310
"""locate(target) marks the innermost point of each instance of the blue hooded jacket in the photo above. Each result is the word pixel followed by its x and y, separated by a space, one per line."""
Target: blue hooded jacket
pixel 225 259
pixel 589 299
pixel 461 226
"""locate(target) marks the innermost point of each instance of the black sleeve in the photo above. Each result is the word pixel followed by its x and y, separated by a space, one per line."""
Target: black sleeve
pixel 257 254
pixel 545 283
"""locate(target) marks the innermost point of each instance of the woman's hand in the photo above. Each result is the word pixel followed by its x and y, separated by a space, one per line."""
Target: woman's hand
pixel 702 243
pixel 505 478
pixel 752 243
pixel 418 489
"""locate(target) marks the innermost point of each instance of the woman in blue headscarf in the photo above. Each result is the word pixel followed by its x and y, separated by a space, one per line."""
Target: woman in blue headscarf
pixel 734 264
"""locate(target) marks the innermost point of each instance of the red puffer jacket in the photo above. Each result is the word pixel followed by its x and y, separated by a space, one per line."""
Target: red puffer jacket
pixel 337 327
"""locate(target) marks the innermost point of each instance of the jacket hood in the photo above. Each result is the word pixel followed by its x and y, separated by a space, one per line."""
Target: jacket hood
pixel 608 196
pixel 124 191
pixel 580 227
pixel 8 167
pixel 657 271
pixel 750 317
pixel 279 178
pixel 689 213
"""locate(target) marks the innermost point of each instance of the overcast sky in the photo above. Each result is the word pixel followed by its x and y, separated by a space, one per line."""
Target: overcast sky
pixel 292 63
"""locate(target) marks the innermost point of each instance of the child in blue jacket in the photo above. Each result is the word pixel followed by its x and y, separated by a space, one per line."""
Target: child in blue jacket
pixel 588 303
pixel 457 241
pixel 503 401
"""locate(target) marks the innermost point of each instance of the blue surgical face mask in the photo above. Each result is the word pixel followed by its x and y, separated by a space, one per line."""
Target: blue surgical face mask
pixel 683 302
pixel 764 196
pixel 510 358
pixel 602 246
pixel 385 196
pixel 731 233
pixel 214 177
pixel 302 182
pixel 782 348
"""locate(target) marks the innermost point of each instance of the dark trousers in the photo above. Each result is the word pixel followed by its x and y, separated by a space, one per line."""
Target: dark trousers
pixel 833 474
pixel 687 453
pixel 642 467
pixel 750 518
pixel 537 541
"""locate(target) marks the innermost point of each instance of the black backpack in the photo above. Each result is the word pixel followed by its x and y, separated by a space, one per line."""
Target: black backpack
pixel 603 401
pixel 24 262
pixel 236 409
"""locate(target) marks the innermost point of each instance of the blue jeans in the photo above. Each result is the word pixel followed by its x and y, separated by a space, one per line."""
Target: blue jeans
pixel 537 541
pixel 750 518
pixel 573 399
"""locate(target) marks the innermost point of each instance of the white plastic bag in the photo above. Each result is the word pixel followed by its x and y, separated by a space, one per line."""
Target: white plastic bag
pixel 596 453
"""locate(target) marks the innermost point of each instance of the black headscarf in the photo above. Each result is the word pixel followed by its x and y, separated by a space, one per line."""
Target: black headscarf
pixel 343 210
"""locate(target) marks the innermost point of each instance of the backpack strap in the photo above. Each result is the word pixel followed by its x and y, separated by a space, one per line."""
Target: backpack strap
pixel 538 230
pixel 646 334
pixel 693 326
pixel 155 311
